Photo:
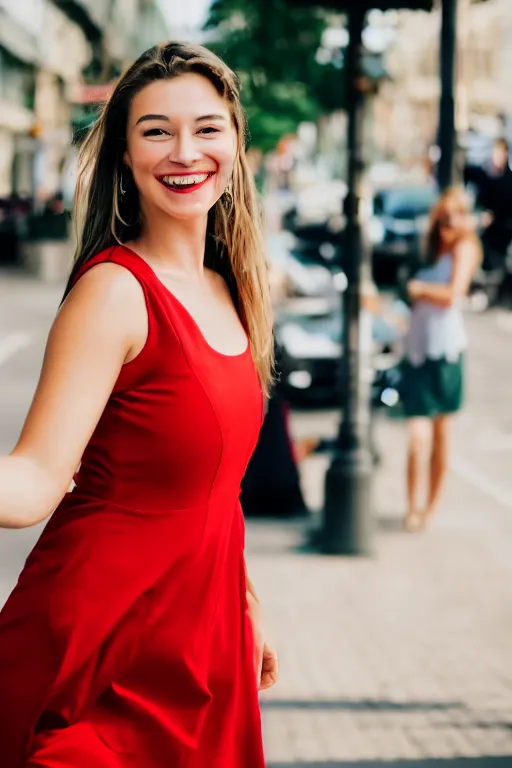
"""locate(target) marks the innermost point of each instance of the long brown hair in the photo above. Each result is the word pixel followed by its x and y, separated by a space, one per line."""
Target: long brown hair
pixel 433 239
pixel 234 244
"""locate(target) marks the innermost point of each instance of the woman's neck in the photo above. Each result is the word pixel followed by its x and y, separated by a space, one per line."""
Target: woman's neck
pixel 445 248
pixel 172 245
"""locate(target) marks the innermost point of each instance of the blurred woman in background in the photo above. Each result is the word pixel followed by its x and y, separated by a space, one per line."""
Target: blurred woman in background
pixel 433 375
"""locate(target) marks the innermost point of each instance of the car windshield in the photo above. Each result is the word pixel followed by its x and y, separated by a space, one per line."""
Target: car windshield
pixel 327 325
pixel 408 203
pixel 330 326
pixel 309 258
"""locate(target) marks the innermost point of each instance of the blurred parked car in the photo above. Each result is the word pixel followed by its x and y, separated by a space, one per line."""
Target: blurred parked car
pixel 303 274
pixel 14 213
pixel 311 348
pixel 317 219
pixel 317 203
pixel 400 221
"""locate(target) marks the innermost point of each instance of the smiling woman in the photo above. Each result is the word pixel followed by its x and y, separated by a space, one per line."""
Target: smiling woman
pixel 134 637
pixel 177 113
pixel 181 147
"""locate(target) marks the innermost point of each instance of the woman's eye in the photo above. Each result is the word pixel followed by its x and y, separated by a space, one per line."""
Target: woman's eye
pixel 209 130
pixel 155 132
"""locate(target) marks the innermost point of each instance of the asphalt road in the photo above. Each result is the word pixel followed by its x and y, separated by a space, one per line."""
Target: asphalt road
pixel 483 440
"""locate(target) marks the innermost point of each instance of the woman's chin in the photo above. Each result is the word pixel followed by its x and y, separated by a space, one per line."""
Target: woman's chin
pixel 187 209
pixel 188 206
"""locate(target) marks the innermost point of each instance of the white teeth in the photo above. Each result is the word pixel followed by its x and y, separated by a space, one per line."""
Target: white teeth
pixel 185 181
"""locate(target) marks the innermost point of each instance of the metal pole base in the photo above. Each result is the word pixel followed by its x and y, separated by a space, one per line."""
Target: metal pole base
pixel 348 511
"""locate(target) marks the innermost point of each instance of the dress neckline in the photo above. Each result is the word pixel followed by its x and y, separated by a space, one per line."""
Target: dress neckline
pixel 184 310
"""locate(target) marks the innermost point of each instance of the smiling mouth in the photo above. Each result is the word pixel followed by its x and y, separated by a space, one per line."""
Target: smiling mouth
pixel 185 183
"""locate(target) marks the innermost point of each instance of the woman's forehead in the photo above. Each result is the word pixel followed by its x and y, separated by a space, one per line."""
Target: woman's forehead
pixel 185 96
pixel 453 203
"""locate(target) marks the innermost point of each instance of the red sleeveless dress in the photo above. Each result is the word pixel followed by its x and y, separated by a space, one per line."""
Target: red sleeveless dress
pixel 126 642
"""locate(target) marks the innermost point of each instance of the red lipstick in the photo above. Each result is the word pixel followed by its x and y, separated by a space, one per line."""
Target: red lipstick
pixel 186 188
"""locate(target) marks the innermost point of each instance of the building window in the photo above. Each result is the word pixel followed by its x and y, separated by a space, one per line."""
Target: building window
pixel 17 80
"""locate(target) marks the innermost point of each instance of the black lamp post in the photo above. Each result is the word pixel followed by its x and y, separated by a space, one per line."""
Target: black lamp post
pixel 448 52
pixel 348 512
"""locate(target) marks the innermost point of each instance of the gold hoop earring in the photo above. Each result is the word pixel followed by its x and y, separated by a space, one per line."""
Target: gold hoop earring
pixel 228 193
pixel 119 192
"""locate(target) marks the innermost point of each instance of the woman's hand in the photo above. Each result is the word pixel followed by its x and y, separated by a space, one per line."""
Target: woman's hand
pixel 269 668
pixel 265 658
pixel 414 289
pixel 486 219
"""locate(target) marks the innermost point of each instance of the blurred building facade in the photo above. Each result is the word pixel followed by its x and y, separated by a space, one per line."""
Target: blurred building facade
pixel 58 59
pixel 407 108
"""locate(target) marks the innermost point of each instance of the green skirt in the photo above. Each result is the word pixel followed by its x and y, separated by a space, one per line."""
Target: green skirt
pixel 435 388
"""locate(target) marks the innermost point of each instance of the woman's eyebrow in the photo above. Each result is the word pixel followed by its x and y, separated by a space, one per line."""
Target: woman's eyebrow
pixel 210 117
pixel 144 118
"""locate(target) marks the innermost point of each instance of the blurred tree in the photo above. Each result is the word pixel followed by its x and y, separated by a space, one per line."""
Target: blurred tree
pixel 273 48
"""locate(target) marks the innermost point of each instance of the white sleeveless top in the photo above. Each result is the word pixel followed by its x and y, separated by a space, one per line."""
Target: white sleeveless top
pixel 435 332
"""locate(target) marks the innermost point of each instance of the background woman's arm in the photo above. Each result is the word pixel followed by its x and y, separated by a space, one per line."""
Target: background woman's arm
pixel 96 330
pixel 465 263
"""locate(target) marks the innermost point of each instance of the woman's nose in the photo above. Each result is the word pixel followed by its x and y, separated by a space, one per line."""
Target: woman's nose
pixel 185 150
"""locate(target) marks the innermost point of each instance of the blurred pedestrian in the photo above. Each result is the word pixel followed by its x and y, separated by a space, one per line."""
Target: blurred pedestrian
pixel 493 184
pixel 134 636
pixel 271 486
pixel 433 377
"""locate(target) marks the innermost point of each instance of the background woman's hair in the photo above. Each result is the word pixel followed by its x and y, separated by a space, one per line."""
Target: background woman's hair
pixel 433 239
pixel 104 216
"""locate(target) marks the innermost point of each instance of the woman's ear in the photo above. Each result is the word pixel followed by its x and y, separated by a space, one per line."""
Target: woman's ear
pixel 126 160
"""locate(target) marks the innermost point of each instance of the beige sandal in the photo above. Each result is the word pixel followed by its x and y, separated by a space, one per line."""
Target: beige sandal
pixel 413 522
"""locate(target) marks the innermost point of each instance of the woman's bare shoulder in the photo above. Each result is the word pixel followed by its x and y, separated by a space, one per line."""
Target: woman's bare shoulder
pixel 107 281
pixel 468 246
pixel 111 294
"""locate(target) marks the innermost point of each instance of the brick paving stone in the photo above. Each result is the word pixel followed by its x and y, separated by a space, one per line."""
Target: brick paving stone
pixel 401 656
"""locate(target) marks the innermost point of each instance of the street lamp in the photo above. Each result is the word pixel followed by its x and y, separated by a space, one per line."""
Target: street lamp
pixel 446 131
pixel 348 510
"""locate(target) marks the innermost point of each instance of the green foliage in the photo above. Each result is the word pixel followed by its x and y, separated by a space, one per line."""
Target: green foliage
pixel 272 47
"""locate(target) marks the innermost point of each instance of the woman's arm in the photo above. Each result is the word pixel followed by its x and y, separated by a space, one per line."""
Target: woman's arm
pixel 102 323
pixel 250 586
pixel 267 665
pixel 465 262
pixel 370 298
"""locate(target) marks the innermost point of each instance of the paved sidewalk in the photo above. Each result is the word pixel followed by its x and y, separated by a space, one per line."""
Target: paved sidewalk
pixel 406 656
